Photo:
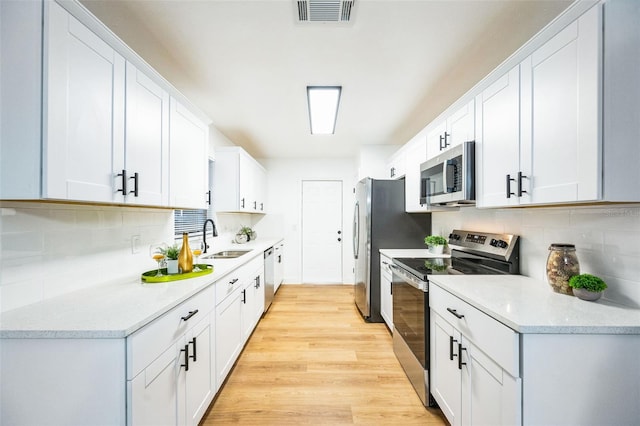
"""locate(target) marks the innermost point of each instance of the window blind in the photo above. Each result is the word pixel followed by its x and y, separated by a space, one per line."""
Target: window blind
pixel 190 221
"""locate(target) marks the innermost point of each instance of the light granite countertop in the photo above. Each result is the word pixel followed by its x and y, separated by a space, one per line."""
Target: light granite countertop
pixel 527 305
pixel 411 253
pixel 118 309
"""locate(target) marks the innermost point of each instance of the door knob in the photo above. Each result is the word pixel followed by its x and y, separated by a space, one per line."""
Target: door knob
pixel 339 232
pixel 339 239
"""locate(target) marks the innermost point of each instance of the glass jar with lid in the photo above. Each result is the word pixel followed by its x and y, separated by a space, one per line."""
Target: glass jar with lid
pixel 562 264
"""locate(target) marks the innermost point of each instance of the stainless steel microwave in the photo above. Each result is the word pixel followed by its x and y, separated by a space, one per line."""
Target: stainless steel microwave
pixel 449 178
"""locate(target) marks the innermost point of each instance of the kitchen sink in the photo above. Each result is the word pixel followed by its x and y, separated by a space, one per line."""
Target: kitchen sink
pixel 227 254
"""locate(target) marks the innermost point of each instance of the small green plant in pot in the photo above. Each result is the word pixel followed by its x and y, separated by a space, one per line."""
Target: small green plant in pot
pixel 171 254
pixel 587 286
pixel 436 243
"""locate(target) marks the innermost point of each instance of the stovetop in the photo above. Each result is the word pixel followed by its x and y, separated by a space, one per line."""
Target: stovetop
pixel 472 253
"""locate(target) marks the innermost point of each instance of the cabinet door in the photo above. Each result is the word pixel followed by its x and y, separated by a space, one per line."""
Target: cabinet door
pixel 199 387
pixel 153 393
pixel 84 109
pixel 249 301
pixel 445 374
pixel 498 140
pixel 147 140
pixel 560 115
pixel 490 396
pixel 228 334
pixel 259 289
pixel 386 299
pixel 246 188
pixel 188 141
pixel 461 125
pixel 279 269
pixel 416 155
pixel 435 139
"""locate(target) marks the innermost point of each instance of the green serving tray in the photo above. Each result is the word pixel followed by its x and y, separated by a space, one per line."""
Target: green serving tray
pixel 149 276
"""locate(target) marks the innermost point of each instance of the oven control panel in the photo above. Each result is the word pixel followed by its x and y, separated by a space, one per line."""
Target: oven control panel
pixel 501 245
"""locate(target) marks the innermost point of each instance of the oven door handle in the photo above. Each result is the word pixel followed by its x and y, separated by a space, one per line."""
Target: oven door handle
pixel 409 279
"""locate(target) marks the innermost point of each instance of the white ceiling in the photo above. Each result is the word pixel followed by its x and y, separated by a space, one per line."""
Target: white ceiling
pixel 246 64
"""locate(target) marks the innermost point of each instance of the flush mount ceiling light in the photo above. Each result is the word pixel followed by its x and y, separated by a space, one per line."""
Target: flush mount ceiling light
pixel 323 108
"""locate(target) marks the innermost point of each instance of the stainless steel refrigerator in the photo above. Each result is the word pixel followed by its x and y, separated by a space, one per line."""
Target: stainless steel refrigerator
pixel 380 222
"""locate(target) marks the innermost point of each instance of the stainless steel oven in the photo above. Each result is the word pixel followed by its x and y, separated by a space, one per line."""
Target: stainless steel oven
pixel 478 253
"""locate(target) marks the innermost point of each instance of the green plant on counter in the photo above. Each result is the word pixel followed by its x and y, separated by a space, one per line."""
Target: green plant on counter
pixel 171 252
pixel 588 282
pixel 435 240
pixel 246 230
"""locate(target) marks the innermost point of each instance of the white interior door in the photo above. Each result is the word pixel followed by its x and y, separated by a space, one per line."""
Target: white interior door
pixel 322 235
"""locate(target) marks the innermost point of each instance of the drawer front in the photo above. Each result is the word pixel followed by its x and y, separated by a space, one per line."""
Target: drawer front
pixel 236 279
pixel 492 337
pixel 146 344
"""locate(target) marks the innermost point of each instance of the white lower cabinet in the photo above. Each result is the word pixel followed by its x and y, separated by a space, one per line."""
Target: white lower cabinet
pixel 474 364
pixel 173 385
pixel 239 305
pixel 386 298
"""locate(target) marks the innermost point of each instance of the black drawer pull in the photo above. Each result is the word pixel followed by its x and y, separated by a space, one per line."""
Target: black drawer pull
pixel 191 313
pixel 455 313
pixel 233 281
pixel 451 342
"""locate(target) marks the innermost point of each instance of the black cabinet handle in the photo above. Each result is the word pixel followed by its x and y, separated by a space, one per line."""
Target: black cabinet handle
pixel 193 342
pixel 451 342
pixel 455 313
pixel 242 203
pixel 244 296
pixel 509 180
pixel 339 239
pixel 520 190
pixel 393 171
pixel 209 197
pixel 261 206
pixel 186 357
pixel 460 363
pixel 233 281
pixel 255 205
pixel 280 259
pixel 123 175
pixel 135 184
pixel 446 137
pixel 189 315
pixel 257 282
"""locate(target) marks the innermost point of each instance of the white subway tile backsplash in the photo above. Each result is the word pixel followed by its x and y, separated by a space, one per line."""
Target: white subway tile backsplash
pixel 606 239
pixel 49 249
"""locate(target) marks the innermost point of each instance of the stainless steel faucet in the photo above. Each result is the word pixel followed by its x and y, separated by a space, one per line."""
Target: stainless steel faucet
pixel 204 233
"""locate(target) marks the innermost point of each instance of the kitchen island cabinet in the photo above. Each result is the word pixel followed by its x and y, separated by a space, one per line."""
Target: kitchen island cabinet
pixel 522 347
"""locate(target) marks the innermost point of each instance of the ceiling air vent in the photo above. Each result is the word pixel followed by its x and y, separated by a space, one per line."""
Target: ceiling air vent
pixel 324 10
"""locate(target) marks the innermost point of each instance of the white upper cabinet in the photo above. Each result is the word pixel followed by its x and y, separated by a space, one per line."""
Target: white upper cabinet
pixel 560 127
pixel 456 128
pixel 147 140
pixel 396 166
pixel 189 159
pixel 497 139
pixel 240 182
pixel 84 113
pixel 538 126
pixel 85 119
pixel 416 154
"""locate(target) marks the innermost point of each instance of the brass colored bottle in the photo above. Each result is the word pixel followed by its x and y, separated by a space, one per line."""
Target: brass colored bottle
pixel 185 258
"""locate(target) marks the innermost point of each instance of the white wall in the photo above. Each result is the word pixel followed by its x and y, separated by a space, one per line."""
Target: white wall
pixel 607 240
pixel 284 209
pixel 49 249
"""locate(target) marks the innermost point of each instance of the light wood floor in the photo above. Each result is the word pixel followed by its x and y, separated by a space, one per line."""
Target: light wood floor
pixel 313 360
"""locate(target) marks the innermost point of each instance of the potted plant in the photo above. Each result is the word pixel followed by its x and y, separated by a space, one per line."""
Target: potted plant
pixel 171 254
pixel 436 243
pixel 246 234
pixel 587 286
